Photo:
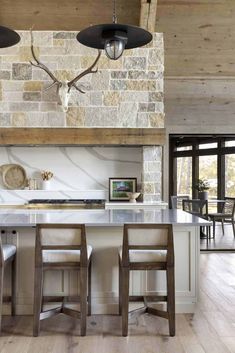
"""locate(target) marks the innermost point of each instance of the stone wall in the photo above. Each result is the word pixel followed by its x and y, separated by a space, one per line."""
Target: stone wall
pixel 152 173
pixel 124 93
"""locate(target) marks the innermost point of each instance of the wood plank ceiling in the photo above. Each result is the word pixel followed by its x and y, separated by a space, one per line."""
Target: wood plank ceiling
pixel 65 15
pixel 199 39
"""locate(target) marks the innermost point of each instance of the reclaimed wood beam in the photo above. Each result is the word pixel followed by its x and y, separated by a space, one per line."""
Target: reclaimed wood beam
pixel 83 136
pixel 148 13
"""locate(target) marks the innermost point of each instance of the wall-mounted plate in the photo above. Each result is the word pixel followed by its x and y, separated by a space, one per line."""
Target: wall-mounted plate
pixel 13 176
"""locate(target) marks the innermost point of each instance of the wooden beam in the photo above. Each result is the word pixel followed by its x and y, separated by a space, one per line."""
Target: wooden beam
pixel 83 136
pixel 148 14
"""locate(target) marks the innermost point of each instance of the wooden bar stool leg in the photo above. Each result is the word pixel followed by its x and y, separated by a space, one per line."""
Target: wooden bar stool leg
pixel 171 299
pixel 222 223
pixel 125 300
pixel 233 225
pixel 38 281
pixel 120 287
pixel 83 299
pixel 89 289
pixel 1 293
pixel 13 287
pixel 213 227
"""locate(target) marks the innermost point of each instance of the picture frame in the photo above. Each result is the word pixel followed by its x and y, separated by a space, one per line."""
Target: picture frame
pixel 118 187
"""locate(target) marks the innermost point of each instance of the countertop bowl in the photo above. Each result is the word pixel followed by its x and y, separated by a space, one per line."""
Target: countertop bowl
pixel 133 196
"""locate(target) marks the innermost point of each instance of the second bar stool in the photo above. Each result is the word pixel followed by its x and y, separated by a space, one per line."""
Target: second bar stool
pixel 7 256
pixel 147 247
pixel 62 247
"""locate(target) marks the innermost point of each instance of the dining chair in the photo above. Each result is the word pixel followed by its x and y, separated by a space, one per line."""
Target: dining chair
pixel 226 214
pixel 176 201
pixel 7 257
pixel 62 247
pixel 147 247
pixel 198 208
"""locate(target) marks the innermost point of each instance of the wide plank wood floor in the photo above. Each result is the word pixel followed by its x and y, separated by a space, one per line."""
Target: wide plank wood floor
pixel 210 330
pixel 220 242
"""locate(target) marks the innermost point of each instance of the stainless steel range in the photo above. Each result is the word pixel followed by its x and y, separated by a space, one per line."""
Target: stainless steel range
pixel 66 203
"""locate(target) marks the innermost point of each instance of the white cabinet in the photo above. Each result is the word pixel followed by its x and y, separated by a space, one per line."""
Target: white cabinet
pixel 105 242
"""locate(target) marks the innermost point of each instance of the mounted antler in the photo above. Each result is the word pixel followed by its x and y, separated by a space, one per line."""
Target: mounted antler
pixel 42 66
pixel 63 87
pixel 72 83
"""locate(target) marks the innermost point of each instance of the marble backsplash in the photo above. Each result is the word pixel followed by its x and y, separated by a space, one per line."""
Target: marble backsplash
pixel 79 172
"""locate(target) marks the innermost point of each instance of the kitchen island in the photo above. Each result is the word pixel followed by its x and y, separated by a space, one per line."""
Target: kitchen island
pixel 104 233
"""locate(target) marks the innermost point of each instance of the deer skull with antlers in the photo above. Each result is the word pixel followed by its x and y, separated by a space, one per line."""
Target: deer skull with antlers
pixel 63 87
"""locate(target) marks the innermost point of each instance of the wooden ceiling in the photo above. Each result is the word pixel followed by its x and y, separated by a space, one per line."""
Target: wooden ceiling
pixel 65 14
pixel 199 37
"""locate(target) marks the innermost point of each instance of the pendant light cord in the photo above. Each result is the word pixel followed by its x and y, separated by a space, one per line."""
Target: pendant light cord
pixel 114 12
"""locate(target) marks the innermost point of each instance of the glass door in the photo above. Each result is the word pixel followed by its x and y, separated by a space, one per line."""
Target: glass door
pixel 230 175
pixel 184 176
pixel 208 171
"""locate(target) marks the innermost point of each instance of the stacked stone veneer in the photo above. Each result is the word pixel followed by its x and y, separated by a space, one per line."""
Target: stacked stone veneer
pixel 124 93
pixel 152 173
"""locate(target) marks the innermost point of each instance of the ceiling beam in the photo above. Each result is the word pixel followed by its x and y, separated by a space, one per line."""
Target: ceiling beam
pixel 83 136
pixel 148 13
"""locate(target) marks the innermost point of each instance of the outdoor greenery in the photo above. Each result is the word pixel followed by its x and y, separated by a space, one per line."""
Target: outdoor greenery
pixel 202 185
pixel 208 172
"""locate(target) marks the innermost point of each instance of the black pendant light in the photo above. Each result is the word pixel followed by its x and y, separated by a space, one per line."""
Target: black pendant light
pixel 8 37
pixel 114 37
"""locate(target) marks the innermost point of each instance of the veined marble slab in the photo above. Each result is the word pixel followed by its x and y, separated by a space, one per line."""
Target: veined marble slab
pixel 98 218
pixel 79 172
pixel 131 205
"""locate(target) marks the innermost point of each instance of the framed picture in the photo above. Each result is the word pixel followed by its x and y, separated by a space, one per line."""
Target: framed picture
pixel 118 188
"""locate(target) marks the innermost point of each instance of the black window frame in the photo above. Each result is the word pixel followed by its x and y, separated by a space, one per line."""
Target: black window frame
pixel 181 140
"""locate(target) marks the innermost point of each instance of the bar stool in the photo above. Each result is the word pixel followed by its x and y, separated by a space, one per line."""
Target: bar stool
pixel 198 208
pixel 147 247
pixel 62 247
pixel 7 256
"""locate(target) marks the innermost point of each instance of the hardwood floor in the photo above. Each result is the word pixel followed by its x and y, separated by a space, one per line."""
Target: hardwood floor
pixel 220 242
pixel 210 330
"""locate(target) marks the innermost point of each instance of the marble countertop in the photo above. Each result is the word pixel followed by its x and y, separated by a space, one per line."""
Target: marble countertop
pixel 145 203
pixel 115 217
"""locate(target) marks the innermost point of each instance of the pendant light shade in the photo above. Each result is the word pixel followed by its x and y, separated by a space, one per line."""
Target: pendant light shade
pixel 114 38
pixel 8 37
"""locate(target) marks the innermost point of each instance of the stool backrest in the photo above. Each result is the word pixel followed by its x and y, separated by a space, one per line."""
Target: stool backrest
pixel 229 206
pixel 196 207
pixel 61 237
pixel 148 237
pixel 176 201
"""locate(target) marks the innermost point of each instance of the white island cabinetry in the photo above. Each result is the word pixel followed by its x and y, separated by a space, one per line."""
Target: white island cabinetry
pixel 104 233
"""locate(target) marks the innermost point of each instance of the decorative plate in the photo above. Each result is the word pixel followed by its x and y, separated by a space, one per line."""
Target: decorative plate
pixel 13 176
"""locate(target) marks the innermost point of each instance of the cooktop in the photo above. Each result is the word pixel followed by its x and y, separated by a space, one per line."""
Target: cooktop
pixel 63 201
pixel 80 203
